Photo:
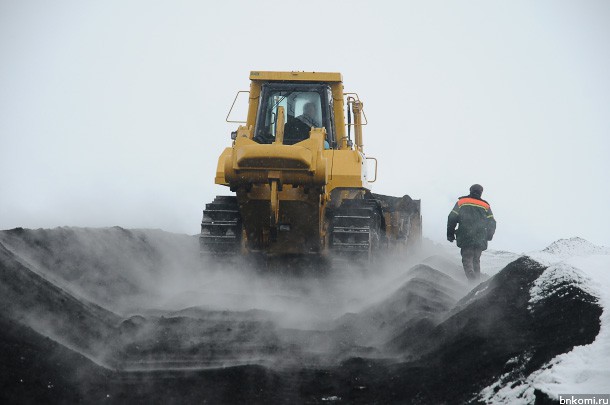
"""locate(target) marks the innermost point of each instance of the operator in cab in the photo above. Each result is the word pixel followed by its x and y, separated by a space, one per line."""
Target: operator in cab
pixel 297 129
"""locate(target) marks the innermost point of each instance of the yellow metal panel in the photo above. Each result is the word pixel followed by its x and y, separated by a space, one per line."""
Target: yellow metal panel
pixel 220 169
pixel 249 162
pixel 296 76
pixel 338 106
pixel 348 170
pixel 255 92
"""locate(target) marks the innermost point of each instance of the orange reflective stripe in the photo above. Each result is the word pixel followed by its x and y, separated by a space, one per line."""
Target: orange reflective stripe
pixel 473 201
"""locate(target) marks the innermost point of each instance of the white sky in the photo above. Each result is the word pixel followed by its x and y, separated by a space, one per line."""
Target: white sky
pixel 112 112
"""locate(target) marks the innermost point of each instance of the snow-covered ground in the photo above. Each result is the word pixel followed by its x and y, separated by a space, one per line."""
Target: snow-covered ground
pixel 585 369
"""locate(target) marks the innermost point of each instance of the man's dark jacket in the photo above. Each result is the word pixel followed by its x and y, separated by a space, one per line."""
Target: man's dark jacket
pixel 477 223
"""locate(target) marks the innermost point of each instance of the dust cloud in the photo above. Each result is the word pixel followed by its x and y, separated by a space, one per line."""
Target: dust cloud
pixel 130 315
pixel 145 299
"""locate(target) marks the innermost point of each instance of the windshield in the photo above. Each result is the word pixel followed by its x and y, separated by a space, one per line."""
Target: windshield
pixel 305 106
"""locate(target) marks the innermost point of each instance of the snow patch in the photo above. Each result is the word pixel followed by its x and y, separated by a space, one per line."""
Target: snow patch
pixel 492 261
pixel 586 369
pixel 481 290
pixel 511 387
pixel 572 262
pixel 575 247
pixel 557 280
pixel 567 248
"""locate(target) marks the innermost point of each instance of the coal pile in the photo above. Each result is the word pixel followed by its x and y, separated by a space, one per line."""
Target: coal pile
pixel 31 299
pixel 114 267
pixel 103 314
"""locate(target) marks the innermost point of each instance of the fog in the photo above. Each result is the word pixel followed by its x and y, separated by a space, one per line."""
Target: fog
pixel 141 299
pixel 133 272
pixel 302 296
pixel 113 113
pixel 158 321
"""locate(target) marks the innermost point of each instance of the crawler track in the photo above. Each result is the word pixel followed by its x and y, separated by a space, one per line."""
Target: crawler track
pixel 221 228
pixel 355 230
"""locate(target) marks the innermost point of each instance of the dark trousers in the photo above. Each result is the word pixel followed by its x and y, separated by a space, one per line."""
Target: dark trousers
pixel 471 259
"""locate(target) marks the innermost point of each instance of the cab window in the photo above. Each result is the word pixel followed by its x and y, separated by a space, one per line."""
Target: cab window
pixel 304 108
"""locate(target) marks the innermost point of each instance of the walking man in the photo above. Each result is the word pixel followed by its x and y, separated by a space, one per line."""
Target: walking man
pixel 476 226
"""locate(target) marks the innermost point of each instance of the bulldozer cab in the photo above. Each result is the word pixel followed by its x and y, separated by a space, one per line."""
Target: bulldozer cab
pixel 305 106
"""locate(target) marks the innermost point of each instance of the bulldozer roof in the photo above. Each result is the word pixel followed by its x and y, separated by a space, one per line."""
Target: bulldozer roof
pixel 296 76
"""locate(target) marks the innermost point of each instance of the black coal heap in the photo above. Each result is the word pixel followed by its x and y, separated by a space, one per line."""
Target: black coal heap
pixel 421 344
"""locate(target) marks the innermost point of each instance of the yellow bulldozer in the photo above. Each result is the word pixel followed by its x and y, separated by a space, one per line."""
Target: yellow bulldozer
pixel 301 183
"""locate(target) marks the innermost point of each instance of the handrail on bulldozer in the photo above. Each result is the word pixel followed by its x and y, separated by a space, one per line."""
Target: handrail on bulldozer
pixel 232 105
pixel 375 179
